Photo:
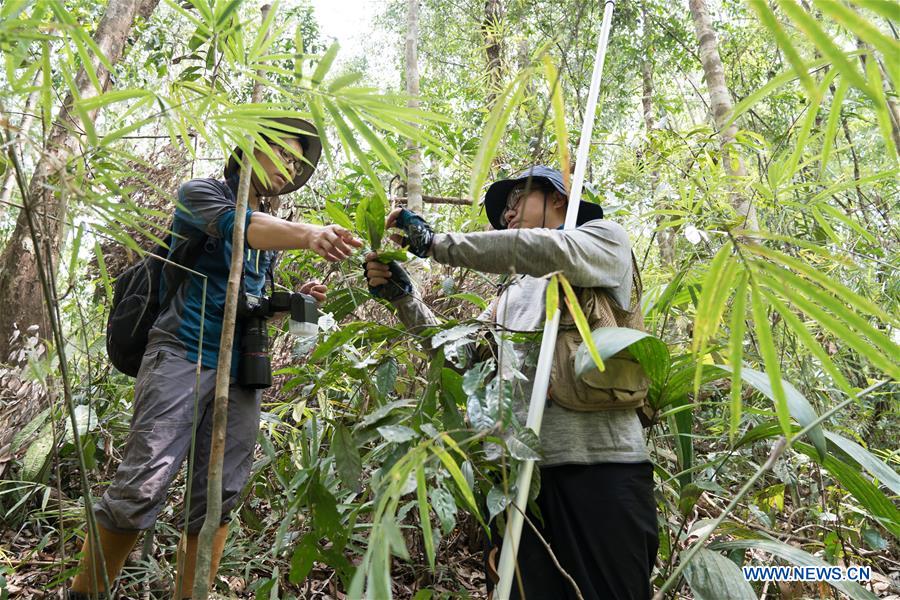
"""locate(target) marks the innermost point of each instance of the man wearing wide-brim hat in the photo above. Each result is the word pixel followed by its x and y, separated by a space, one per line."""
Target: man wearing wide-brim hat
pixel 187 332
pixel 597 509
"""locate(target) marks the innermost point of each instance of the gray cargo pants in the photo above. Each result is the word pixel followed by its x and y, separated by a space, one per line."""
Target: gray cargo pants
pixel 160 440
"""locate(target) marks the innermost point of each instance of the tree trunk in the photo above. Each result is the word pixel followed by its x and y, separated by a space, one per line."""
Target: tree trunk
pixel 721 106
pixel 20 291
pixel 665 237
pixel 414 165
pixel 9 181
pixel 490 31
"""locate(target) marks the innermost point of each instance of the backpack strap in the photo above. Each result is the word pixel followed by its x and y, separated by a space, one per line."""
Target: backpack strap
pixel 186 253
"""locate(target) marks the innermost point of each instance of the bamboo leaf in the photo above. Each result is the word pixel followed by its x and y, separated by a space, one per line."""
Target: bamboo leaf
pixel 770 21
pixel 325 64
pixel 504 105
pixel 552 300
pixel 811 301
pixel 424 516
pixel 797 405
pixel 806 338
pixel 736 353
pixel 580 321
pixel 554 80
pixel 870 497
pixel 890 48
pixel 825 45
pixel 834 118
pixel 770 358
pixel 851 298
pixel 457 476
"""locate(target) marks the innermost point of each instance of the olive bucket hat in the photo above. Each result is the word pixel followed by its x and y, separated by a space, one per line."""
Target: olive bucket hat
pixel 497 194
pixel 308 137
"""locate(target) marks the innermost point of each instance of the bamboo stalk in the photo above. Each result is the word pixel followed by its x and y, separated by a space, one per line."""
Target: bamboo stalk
pixel 223 371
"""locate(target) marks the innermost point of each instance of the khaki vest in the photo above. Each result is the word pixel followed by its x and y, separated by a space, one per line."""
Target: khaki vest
pixel 623 385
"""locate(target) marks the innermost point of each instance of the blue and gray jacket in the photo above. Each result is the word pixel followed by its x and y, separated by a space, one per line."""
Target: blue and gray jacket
pixel 207 208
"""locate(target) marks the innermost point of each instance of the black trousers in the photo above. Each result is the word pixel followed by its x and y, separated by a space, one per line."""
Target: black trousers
pixel 600 522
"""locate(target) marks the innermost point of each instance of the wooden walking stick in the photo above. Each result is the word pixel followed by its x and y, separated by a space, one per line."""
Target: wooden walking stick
pixel 515 516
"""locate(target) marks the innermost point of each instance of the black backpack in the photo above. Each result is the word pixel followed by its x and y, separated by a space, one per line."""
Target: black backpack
pixel 136 303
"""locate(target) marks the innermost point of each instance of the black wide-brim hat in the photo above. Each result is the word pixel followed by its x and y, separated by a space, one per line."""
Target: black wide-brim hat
pixel 305 133
pixel 497 194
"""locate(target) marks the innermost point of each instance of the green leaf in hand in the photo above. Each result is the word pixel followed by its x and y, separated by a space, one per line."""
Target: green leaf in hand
pixel 386 256
pixel 370 217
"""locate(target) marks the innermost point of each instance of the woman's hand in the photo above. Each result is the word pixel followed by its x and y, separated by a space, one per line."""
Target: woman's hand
pixel 419 235
pixel 332 242
pixel 316 289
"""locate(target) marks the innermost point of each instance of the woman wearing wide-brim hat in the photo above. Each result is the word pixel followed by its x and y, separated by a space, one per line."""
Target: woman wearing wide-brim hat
pixel 187 332
pixel 596 505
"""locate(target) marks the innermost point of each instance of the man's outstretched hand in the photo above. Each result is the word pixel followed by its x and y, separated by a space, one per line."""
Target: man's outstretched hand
pixel 333 242
pixel 418 234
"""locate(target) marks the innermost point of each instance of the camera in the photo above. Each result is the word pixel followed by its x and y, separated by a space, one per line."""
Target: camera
pixel 254 365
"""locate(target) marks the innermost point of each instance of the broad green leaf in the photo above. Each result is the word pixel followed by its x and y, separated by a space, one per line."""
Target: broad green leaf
pixel 424 514
pixel 580 321
pixel 37 455
pixel 650 351
pixel 386 377
pixel 347 459
pixel 795 556
pixel 524 445
pixel 878 468
pixel 468 297
pixel 797 404
pixel 338 338
pixel 302 559
pixel 497 501
pixel 396 433
pixel 444 507
pixel 337 214
pixel 712 576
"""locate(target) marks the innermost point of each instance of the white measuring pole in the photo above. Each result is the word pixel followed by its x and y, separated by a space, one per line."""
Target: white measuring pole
pixel 515 517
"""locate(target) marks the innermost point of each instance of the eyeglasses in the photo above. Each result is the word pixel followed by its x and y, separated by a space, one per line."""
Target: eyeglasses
pixel 288 159
pixel 512 202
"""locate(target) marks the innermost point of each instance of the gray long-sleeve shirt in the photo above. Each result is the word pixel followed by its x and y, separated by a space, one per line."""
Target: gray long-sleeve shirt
pixel 597 254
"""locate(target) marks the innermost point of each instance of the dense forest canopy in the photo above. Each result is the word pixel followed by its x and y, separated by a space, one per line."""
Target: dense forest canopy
pixel 749 149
